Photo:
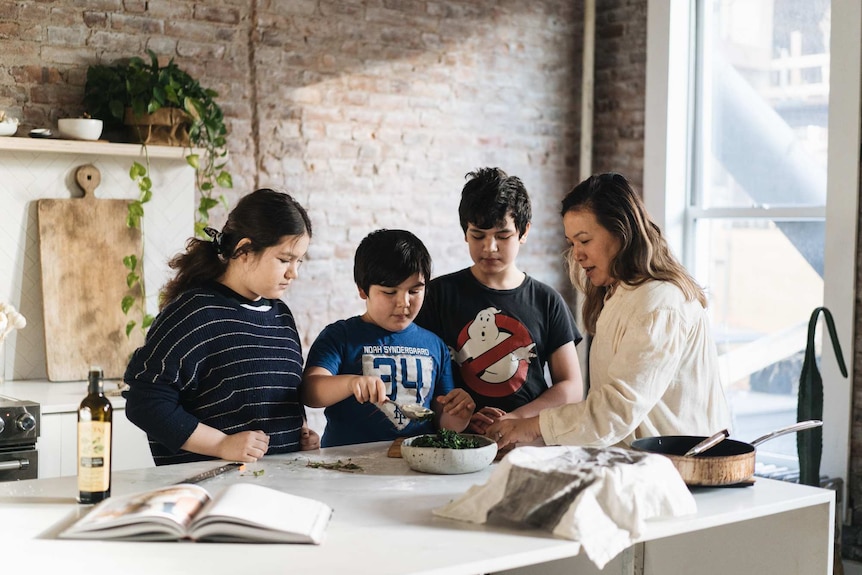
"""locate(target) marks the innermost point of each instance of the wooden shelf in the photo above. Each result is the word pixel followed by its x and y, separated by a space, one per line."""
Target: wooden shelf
pixel 96 148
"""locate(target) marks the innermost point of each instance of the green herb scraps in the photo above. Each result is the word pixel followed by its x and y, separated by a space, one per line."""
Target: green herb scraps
pixel 447 439
pixel 339 465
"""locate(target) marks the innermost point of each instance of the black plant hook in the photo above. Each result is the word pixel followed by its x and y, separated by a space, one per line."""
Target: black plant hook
pixel 809 443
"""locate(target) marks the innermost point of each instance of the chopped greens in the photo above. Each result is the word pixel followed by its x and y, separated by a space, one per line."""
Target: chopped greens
pixel 337 466
pixel 447 439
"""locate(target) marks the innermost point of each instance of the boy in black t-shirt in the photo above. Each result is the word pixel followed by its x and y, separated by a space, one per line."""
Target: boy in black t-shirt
pixel 502 326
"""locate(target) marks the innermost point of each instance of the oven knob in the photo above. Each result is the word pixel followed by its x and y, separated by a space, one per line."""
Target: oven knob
pixel 2 424
pixel 26 422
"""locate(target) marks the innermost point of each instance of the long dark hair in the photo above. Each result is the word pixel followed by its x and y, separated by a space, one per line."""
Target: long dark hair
pixel 264 216
pixel 644 254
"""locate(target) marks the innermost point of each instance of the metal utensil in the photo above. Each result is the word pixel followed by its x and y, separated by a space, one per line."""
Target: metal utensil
pixel 211 473
pixel 710 441
pixel 413 411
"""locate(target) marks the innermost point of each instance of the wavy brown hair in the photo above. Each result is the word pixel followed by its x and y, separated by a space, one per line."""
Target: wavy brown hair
pixel 644 254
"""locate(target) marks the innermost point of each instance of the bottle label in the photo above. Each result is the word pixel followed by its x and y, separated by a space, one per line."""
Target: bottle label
pixel 94 456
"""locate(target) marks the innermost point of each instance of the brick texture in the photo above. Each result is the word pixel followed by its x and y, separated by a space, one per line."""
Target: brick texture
pixel 369 112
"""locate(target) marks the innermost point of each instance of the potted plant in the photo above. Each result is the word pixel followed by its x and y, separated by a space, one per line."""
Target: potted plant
pixel 160 105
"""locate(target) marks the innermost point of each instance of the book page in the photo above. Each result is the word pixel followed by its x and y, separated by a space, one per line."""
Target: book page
pixel 254 512
pixel 162 513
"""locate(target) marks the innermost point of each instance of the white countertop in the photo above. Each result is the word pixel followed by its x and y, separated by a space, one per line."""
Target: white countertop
pixel 382 522
pixel 58 397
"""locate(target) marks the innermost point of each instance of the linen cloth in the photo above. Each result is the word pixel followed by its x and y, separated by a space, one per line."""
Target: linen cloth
pixel 599 497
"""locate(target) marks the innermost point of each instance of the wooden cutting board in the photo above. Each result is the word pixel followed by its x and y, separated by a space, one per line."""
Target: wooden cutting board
pixel 82 243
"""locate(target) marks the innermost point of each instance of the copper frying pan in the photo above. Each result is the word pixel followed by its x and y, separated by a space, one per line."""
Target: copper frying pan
pixel 727 463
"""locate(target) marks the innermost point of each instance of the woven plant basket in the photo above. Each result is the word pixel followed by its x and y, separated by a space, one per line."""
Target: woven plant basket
pixel 165 127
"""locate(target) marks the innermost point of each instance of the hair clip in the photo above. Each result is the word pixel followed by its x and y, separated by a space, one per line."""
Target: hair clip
pixel 217 239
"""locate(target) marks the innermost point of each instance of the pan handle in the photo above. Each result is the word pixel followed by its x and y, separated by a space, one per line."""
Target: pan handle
pixel 708 443
pixel 789 429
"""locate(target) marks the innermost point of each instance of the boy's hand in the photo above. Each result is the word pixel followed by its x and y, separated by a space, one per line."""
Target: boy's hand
pixel 454 410
pixel 484 417
pixel 367 388
pixel 457 403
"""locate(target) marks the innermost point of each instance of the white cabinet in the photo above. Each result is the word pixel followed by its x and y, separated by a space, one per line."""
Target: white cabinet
pixel 57 444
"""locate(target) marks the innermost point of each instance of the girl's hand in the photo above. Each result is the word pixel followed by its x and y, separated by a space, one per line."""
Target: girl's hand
pixel 247 446
pixel 367 388
pixel 484 417
pixel 510 431
pixel 308 439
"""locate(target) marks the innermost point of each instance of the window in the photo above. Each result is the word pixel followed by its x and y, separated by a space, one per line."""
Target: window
pixel 758 205
pixel 744 185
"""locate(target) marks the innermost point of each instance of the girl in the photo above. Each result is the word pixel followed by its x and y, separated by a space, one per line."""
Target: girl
pixel 653 364
pixel 218 375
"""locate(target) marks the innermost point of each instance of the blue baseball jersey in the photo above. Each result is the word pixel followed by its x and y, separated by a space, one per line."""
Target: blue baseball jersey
pixel 413 363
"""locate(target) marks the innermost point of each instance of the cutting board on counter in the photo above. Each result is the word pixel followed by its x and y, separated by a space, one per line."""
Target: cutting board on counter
pixel 82 243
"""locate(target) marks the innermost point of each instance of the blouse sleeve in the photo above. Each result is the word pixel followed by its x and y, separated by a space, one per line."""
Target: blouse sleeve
pixel 639 374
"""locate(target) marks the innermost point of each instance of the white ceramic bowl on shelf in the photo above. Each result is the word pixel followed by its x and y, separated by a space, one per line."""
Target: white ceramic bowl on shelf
pixel 80 128
pixel 8 128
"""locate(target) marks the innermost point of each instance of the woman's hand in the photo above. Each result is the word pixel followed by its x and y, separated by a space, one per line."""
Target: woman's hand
pixel 308 439
pixel 510 431
pixel 484 417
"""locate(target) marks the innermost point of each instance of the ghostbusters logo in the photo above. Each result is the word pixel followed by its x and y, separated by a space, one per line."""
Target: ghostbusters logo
pixel 494 352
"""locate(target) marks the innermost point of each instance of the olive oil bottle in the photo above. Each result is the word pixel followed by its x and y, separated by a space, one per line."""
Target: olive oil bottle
pixel 94 441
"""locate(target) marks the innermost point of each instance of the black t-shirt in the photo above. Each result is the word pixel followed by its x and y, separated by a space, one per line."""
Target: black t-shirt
pixel 500 340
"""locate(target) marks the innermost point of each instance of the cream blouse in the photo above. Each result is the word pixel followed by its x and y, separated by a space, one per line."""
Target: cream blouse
pixel 653 371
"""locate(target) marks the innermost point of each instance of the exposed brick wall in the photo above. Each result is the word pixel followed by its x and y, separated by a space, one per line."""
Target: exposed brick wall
pixel 620 88
pixel 852 536
pixel 372 114
pixel 369 112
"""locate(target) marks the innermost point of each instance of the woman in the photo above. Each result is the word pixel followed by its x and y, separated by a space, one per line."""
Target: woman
pixel 219 373
pixel 653 364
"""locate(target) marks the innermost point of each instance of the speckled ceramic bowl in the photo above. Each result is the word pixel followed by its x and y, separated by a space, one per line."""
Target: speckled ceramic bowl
pixel 449 461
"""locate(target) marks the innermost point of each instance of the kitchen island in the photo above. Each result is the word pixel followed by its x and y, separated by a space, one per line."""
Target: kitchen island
pixel 383 524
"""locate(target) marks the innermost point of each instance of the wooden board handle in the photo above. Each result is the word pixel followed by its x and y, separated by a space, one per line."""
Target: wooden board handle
pixel 88 177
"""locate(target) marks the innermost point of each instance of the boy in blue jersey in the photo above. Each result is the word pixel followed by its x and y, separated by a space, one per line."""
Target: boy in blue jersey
pixel 357 364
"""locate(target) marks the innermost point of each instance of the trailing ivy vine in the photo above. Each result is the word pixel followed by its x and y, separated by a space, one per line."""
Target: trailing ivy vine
pixel 144 88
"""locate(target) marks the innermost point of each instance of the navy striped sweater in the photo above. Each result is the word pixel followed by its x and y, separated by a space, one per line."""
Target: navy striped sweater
pixel 215 357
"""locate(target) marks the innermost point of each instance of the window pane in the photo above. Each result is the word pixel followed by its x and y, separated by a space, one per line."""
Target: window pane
pixel 763 90
pixel 761 292
pixel 760 143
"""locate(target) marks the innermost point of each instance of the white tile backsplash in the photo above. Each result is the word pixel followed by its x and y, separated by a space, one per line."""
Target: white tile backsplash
pixel 27 176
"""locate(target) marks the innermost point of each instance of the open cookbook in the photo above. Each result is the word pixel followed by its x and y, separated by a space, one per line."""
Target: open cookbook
pixel 242 512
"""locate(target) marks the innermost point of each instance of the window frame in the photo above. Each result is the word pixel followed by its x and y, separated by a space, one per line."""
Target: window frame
pixel 667 177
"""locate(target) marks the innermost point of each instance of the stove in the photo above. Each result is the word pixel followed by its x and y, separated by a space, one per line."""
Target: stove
pixel 19 429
